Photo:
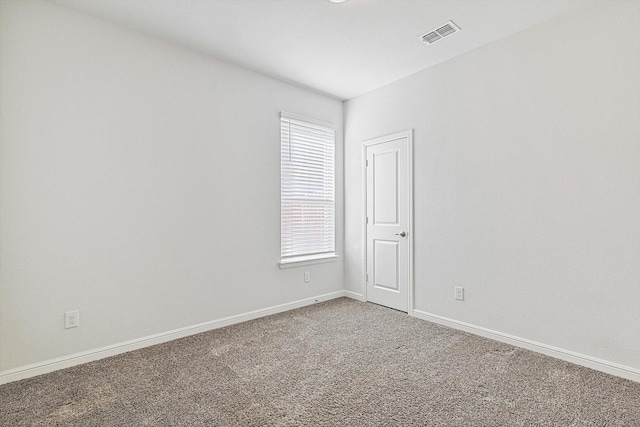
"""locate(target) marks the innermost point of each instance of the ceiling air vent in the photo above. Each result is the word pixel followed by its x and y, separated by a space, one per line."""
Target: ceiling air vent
pixel 439 33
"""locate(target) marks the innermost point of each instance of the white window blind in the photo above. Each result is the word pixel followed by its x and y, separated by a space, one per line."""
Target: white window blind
pixel 307 187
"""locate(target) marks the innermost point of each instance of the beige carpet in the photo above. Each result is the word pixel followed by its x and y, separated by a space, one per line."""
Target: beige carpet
pixel 339 363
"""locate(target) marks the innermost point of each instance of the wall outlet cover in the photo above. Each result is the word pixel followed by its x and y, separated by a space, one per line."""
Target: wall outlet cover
pixel 72 319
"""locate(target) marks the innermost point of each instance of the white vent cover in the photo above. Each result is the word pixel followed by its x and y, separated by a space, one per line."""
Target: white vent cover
pixel 439 33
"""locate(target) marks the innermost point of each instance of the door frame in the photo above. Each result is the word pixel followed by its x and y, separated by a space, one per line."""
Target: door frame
pixel 366 144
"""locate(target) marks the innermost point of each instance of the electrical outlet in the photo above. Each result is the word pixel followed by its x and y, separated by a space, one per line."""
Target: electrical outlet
pixel 458 293
pixel 72 319
pixel 307 276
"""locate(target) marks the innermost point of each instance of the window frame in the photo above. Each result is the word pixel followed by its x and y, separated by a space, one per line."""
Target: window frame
pixel 316 258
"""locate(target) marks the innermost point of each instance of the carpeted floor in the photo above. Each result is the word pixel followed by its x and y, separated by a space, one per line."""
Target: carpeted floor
pixel 339 363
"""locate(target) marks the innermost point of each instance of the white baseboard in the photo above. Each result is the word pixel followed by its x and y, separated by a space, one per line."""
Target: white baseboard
pixel 51 365
pixel 612 368
pixel 354 295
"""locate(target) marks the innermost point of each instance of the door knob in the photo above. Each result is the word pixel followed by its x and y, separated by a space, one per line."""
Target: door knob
pixel 401 234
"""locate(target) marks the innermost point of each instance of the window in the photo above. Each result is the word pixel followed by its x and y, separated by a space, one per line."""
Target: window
pixel 307 190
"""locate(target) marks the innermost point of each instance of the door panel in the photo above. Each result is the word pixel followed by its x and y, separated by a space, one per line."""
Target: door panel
pixel 385 265
pixel 385 177
pixel 388 217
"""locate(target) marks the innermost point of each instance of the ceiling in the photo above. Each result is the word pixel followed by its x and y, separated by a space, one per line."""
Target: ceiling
pixel 342 50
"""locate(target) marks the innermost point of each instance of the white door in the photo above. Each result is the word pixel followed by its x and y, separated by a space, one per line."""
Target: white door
pixel 388 163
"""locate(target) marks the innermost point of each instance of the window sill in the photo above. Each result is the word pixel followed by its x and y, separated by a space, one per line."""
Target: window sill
pixel 307 260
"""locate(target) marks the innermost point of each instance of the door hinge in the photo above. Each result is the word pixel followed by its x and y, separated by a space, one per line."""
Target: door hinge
pixel 367 220
pixel 367 163
pixel 367 277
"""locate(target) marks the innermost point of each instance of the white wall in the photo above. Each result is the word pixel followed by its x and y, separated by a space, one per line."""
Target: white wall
pixel 526 180
pixel 139 183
